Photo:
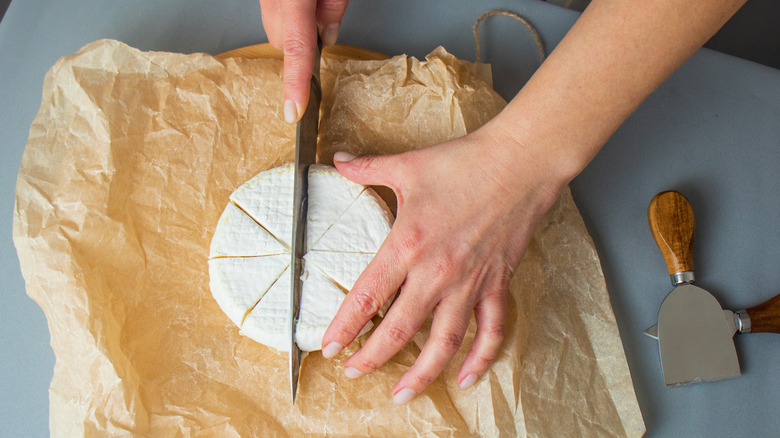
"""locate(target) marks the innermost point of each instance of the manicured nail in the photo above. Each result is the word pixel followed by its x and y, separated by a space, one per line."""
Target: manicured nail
pixel 332 349
pixel 290 111
pixel 344 157
pixel 403 396
pixel 468 381
pixel 330 34
pixel 352 373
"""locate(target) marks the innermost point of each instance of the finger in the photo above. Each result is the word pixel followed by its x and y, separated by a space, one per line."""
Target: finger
pixel 450 321
pixel 270 16
pixel 369 170
pixel 490 314
pixel 402 322
pixel 299 47
pixel 378 282
pixel 329 15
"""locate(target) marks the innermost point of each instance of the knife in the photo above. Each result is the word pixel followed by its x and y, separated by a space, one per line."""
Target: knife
pixel 694 339
pixel 305 155
pixel 763 318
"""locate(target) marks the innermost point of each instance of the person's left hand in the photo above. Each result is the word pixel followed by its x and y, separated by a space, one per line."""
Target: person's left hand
pixel 466 211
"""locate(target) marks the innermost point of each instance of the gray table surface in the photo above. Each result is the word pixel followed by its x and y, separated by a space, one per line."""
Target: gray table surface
pixel 711 131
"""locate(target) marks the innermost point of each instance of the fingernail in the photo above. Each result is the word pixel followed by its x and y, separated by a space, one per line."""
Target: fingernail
pixel 403 396
pixel 330 34
pixel 290 111
pixel 352 373
pixel 344 157
pixel 332 349
pixel 468 381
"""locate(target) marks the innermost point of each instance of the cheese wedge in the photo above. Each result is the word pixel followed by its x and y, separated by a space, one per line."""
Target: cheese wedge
pixel 250 253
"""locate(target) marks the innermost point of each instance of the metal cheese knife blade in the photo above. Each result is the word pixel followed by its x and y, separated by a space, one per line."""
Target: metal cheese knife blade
pixel 305 155
pixel 765 317
pixel 694 339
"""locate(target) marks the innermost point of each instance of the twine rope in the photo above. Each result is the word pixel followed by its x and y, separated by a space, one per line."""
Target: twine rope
pixel 517 17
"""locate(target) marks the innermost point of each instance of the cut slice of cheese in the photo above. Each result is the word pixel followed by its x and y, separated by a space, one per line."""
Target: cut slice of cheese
pixel 253 287
pixel 268 199
pixel 361 228
pixel 330 194
pixel 269 321
pixel 237 234
pixel 343 267
pixel 238 283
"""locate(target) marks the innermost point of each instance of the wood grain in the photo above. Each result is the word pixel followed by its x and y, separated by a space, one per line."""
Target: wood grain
pixel 339 52
pixel 765 317
pixel 670 216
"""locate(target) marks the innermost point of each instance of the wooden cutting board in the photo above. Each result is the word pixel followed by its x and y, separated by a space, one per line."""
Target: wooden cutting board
pixel 339 52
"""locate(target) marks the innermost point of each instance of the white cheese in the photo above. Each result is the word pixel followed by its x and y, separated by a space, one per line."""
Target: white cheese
pixel 361 228
pixel 250 253
pixel 239 235
pixel 343 267
pixel 239 283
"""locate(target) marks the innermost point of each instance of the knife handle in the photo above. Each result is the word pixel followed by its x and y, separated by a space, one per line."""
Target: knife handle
pixel 671 221
pixel 765 317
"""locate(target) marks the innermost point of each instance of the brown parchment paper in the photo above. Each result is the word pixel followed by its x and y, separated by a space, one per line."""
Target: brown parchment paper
pixel 129 164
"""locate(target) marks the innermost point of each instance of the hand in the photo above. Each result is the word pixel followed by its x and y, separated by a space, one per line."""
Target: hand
pixel 466 212
pixel 292 27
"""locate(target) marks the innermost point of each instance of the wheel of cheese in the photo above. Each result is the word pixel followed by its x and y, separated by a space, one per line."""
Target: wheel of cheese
pixel 249 258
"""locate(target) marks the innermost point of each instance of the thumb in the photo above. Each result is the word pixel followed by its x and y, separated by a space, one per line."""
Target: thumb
pixel 370 170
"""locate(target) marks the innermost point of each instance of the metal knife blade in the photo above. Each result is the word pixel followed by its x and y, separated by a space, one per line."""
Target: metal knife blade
pixel 305 155
pixel 730 317
pixel 694 340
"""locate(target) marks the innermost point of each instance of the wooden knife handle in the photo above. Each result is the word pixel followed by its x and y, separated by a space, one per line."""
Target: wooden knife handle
pixel 671 221
pixel 765 317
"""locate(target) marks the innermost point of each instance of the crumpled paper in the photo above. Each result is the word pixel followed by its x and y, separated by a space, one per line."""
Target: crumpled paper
pixel 129 164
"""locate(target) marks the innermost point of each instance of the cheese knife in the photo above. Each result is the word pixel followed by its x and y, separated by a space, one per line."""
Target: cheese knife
pixel 305 155
pixel 694 339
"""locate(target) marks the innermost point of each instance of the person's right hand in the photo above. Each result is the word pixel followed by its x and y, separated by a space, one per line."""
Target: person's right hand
pixel 292 27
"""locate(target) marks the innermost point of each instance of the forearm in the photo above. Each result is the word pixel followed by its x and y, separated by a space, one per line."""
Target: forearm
pixel 616 54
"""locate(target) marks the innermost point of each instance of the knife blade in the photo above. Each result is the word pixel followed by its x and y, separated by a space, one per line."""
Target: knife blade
pixel 694 339
pixel 305 155
pixel 763 318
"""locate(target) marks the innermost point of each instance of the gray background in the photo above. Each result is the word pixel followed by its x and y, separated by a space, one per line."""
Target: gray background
pixel 711 131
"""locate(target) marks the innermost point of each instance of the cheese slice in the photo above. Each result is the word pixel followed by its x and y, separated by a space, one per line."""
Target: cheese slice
pixel 237 234
pixel 343 267
pixel 238 283
pixel 250 253
pixel 361 228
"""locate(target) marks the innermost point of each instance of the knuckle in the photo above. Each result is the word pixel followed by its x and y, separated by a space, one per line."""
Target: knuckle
pixel 485 360
pixel 295 47
pixel 331 6
pixel 408 242
pixel 495 332
pixel 449 342
pixel 398 335
pixel 363 304
pixel 422 380
pixel 445 265
pixel 366 365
